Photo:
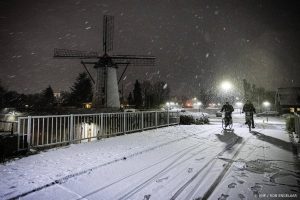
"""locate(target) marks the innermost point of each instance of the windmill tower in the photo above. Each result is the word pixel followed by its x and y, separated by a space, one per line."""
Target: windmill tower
pixel 106 92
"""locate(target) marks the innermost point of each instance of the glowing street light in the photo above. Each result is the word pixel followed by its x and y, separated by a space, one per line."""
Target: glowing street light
pixel 267 105
pixel 198 104
pixel 226 86
pixel 239 105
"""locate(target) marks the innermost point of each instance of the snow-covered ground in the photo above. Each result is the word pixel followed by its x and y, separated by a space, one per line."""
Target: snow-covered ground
pixel 180 162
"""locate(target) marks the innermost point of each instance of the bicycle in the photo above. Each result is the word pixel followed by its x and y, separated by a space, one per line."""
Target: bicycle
pixel 227 122
pixel 248 117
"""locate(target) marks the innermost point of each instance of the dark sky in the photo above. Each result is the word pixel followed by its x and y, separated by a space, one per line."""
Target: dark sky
pixel 198 43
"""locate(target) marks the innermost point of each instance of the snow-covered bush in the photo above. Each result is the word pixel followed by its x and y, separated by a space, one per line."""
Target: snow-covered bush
pixel 188 118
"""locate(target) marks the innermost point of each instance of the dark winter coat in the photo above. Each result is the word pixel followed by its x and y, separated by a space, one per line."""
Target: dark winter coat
pixel 227 108
pixel 248 107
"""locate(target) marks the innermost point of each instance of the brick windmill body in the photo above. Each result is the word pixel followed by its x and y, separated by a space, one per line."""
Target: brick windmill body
pixel 106 92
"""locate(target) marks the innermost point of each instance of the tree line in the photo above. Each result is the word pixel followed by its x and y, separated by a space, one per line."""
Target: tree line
pixel 45 101
pixel 257 94
pixel 144 95
pixel 147 95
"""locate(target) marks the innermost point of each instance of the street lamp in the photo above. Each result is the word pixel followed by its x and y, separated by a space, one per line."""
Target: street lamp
pixel 199 105
pixel 239 105
pixel 226 86
pixel 267 105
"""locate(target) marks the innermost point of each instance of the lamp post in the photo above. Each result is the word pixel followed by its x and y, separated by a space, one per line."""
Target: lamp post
pixel 239 105
pixel 266 105
pixel 226 86
pixel 199 105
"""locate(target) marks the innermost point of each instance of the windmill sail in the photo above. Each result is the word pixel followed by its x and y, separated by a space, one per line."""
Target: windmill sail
pixel 106 92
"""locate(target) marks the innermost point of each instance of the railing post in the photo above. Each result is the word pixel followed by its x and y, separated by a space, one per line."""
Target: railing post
pixel 71 135
pixel 168 117
pixel 142 121
pixel 124 122
pixel 18 132
pixel 297 125
pixel 155 119
pixel 101 125
pixel 28 131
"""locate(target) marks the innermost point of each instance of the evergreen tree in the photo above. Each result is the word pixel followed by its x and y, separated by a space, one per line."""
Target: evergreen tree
pixel 161 93
pixel 81 91
pixel 147 94
pixel 2 94
pixel 137 95
pixel 130 99
pixel 47 98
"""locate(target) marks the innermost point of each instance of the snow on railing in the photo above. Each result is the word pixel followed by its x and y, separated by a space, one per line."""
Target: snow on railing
pixel 297 124
pixel 42 131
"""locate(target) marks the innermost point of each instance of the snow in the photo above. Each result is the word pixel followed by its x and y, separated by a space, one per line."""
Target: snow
pixel 178 162
pixel 165 86
pixel 196 115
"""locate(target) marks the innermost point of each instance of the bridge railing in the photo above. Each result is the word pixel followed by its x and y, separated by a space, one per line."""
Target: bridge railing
pixel 297 124
pixel 43 131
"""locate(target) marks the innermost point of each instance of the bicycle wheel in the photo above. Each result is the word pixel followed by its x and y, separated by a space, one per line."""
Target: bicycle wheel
pixel 223 124
pixel 249 125
pixel 230 124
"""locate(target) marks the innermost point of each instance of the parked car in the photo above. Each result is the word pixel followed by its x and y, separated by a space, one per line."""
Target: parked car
pixel 218 114
pixel 267 113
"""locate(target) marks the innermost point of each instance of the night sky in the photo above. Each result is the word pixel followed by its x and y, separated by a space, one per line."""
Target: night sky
pixel 197 43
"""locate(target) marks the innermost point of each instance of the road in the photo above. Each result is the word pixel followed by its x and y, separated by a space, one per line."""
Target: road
pixel 203 163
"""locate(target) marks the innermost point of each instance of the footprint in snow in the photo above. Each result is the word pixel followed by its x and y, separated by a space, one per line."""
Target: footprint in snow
pixel 147 197
pixel 161 179
pixel 198 159
pixel 223 197
pixel 255 189
pixel 241 196
pixel 232 185
pixel 190 170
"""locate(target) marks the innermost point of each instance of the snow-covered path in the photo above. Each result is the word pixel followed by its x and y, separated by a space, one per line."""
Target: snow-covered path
pixel 182 162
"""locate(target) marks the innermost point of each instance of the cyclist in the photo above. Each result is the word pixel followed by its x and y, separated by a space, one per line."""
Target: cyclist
pixel 248 107
pixel 228 110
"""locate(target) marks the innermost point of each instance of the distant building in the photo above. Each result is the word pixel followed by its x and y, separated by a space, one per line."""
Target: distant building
pixel 288 99
pixel 87 105
pixel 57 95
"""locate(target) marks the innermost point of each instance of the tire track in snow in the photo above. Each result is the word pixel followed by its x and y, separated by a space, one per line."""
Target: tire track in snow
pixel 157 174
pixel 64 179
pixel 210 162
pixel 160 173
pixel 224 171
pixel 188 149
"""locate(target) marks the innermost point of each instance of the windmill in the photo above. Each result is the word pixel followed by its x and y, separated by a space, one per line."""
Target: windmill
pixel 106 92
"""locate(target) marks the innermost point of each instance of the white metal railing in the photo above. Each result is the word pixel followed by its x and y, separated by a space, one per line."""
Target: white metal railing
pixel 42 131
pixel 297 124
